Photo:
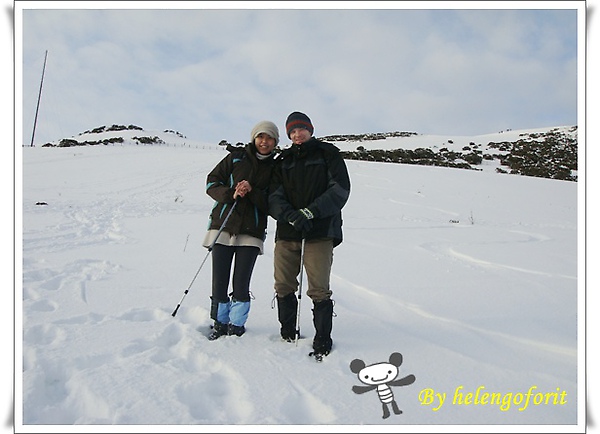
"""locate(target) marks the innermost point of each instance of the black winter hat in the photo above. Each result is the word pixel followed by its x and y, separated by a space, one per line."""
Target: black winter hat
pixel 298 120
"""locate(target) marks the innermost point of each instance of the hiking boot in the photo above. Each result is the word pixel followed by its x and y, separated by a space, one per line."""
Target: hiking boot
pixel 322 319
pixel 323 348
pixel 234 330
pixel 218 329
pixel 287 311
pixel 288 335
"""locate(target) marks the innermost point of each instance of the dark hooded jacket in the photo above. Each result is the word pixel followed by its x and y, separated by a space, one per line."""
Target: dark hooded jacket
pixel 311 175
pixel 250 214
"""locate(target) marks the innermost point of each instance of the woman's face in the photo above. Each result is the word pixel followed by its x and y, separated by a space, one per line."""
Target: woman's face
pixel 264 143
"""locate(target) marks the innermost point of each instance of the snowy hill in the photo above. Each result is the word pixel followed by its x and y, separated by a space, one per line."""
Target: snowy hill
pixel 543 152
pixel 127 135
pixel 471 275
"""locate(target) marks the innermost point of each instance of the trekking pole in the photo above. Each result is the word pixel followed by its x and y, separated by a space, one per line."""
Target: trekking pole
pixel 210 248
pixel 300 288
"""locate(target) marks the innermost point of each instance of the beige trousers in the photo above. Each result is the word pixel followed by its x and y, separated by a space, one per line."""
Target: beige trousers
pixel 318 259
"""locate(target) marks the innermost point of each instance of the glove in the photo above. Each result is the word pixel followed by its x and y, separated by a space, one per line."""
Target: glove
pixel 301 220
pixel 307 213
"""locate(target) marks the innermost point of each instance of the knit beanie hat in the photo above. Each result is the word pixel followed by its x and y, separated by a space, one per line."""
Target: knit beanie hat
pixel 298 120
pixel 266 127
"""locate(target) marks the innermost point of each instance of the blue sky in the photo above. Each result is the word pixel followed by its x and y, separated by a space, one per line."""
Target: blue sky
pixel 211 70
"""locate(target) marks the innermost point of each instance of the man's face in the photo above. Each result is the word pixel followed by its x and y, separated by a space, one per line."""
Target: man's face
pixel 299 135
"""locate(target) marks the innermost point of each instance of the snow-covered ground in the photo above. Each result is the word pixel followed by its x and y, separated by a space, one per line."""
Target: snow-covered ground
pixel 473 276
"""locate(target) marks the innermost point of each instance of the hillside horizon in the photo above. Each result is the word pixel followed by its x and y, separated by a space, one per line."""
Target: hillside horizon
pixel 549 152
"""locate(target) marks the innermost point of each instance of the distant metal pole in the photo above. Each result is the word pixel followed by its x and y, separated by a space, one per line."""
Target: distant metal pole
pixel 39 97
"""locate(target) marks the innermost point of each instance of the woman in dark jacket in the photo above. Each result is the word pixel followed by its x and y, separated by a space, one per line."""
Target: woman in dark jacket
pixel 243 176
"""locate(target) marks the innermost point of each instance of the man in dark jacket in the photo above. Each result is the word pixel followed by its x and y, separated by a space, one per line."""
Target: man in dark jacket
pixel 310 187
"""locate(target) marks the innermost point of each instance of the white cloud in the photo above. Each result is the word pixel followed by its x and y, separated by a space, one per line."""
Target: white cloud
pixel 355 70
